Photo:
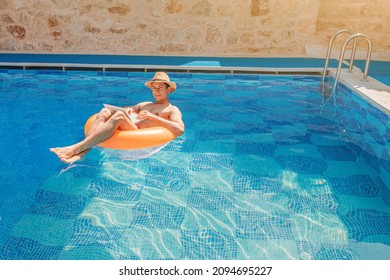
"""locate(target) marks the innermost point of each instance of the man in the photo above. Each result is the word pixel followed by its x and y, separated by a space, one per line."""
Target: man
pixel 158 113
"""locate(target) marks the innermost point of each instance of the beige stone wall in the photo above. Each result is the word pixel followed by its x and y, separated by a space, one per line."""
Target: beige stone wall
pixel 258 28
pixel 371 17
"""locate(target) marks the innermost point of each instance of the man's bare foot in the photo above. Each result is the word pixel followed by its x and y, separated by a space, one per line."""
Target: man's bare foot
pixel 67 154
pixel 75 157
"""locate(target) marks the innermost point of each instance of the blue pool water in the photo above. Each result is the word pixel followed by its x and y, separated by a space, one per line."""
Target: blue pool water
pixel 267 169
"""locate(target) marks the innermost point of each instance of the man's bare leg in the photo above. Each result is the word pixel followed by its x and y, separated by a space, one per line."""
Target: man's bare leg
pixel 101 118
pixel 100 132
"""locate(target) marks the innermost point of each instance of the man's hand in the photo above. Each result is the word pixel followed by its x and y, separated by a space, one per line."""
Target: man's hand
pixel 129 110
pixel 144 114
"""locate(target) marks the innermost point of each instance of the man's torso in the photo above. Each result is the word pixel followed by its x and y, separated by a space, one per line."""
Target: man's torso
pixel 161 110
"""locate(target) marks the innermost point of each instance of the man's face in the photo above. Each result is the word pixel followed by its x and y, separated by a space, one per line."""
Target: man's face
pixel 160 90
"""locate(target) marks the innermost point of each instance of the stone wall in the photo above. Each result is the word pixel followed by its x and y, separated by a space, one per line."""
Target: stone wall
pixel 258 28
pixel 371 17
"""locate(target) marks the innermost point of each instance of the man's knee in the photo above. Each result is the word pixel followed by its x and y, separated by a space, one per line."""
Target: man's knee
pixel 104 114
pixel 121 121
pixel 118 116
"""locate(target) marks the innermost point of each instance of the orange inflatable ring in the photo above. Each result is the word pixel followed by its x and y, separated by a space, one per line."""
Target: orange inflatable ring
pixel 135 139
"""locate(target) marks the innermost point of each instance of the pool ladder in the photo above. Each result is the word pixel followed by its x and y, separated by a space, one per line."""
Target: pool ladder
pixel 342 53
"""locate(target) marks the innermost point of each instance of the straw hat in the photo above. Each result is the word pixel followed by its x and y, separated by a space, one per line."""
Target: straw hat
pixel 161 77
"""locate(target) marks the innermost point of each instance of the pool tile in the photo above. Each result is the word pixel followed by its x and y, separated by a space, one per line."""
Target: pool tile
pixel 374 132
pixel 307 79
pixel 379 115
pixel 242 77
pixel 214 180
pixel 209 162
pixel 44 229
pixel 302 164
pixel 318 226
pixel 246 182
pixel 51 72
pixel 114 74
pixel 263 226
pixel 208 245
pixel 298 150
pixel 149 244
pixel 196 219
pixel 155 215
pixel 385 161
pixel 9 216
pixel 26 249
pixel 325 251
pixel 86 232
pixel 212 116
pixel 109 189
pixel 90 170
pixel 210 200
pixel 353 126
pixel 59 205
pixel 109 213
pixel 326 139
pixel 260 165
pixel 339 153
pixel 179 145
pixel 362 111
pixel 371 251
pixel 385 190
pixel 201 135
pixel 321 125
pixel 278 120
pixel 249 128
pixel 275 249
pixel 246 100
pixel 226 146
pixel 167 178
pixel 288 138
pixel 325 203
pixel 358 185
pixel 322 129
pixel 91 252
pixel 387 135
pixel 363 223
pixel 321 120
pixel 355 147
pixel 260 149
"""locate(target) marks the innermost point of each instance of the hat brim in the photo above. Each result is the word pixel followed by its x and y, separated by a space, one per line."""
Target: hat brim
pixel 172 85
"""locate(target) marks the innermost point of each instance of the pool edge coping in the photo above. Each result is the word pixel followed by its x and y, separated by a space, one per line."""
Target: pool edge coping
pixel 149 67
pixel 371 90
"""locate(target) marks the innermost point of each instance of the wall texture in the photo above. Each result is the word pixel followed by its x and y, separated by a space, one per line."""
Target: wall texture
pixel 259 28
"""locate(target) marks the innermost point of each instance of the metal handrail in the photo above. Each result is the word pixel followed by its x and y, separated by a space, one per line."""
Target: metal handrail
pixel 329 51
pixel 368 58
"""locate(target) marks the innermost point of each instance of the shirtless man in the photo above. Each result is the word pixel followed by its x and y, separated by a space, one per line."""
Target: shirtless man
pixel 158 113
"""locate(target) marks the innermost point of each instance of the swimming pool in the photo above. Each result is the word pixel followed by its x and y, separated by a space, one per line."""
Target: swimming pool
pixel 267 169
